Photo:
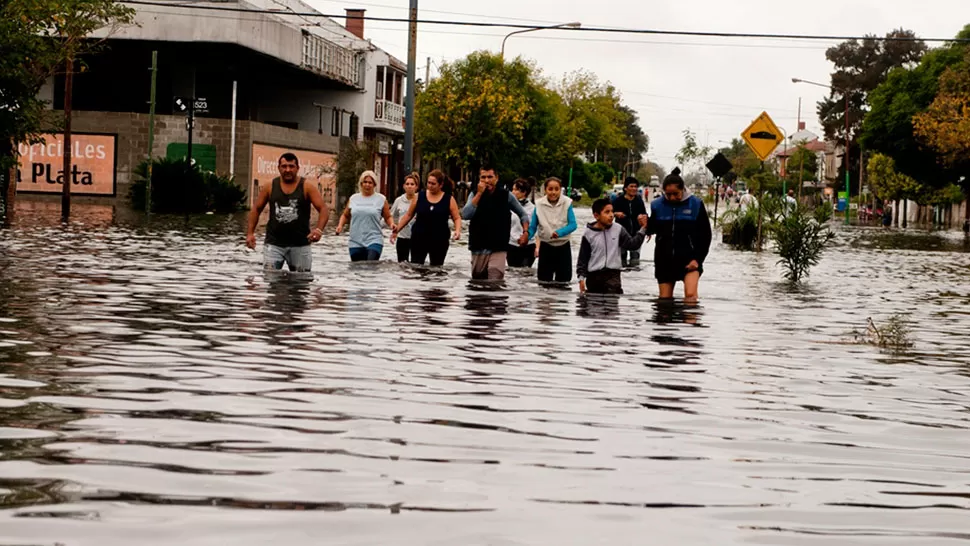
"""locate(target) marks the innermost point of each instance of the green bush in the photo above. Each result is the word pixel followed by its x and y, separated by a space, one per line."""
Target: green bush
pixel 179 188
pixel 594 191
pixel 741 228
pixel 799 242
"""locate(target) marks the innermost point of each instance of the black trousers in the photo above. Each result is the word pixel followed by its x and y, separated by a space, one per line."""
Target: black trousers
pixel 521 256
pixel 422 248
pixel 403 249
pixel 604 281
pixel 555 263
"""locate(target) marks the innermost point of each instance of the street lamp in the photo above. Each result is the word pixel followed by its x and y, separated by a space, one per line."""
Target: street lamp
pixel 564 25
pixel 845 93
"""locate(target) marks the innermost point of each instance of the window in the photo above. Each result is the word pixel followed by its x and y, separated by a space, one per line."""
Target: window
pixel 335 122
pixel 354 126
pixel 380 83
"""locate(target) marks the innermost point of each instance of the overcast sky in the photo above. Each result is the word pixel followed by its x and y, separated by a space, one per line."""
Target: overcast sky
pixel 714 86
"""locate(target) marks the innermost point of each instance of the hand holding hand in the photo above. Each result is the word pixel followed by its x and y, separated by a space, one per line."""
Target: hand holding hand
pixel 642 219
pixel 393 236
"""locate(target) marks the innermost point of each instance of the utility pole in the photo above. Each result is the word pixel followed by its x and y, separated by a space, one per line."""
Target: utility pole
pixel 190 124
pixel 427 73
pixel 409 103
pixel 151 134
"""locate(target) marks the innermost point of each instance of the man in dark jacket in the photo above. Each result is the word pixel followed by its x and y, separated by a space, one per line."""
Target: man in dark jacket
pixel 627 207
pixel 490 211
pixel 683 233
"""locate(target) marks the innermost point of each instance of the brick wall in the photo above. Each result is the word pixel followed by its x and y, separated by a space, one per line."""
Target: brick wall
pixel 132 131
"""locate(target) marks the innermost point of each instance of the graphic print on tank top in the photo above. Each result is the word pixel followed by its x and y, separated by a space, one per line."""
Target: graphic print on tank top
pixel 289 212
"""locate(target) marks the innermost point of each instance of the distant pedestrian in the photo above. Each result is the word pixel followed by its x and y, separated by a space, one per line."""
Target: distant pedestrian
pixel 746 201
pixel 288 234
pixel 364 212
pixel 599 265
pixel 488 235
pixel 521 255
pixel 683 238
pixel 431 209
pixel 400 207
pixel 553 221
pixel 627 207
pixel 791 205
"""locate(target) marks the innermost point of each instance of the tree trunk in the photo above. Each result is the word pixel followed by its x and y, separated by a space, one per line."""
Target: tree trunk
pixel 9 187
pixel 66 187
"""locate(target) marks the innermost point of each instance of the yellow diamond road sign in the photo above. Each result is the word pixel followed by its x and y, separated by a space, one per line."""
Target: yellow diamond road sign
pixel 762 136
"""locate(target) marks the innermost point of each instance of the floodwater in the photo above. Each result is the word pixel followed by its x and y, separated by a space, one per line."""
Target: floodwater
pixel 157 389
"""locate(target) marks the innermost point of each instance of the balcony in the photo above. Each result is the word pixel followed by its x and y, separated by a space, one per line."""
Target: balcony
pixel 332 61
pixel 389 115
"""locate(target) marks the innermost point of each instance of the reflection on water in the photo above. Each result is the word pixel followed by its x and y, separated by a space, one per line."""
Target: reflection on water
pixel 157 387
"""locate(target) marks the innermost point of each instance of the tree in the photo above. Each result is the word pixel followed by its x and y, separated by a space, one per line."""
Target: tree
pixel 801 166
pixel 945 125
pixel 594 118
pixel 650 169
pixel 746 165
pixel 894 105
pixel 692 156
pixel 484 109
pixel 625 159
pixel 860 67
pixel 68 25
pixel 888 184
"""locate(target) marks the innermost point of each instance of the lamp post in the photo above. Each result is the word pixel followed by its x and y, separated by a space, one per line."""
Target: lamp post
pixel 845 93
pixel 564 25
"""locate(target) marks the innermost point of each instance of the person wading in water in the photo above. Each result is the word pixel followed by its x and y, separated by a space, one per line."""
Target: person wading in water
pixel 489 210
pixel 288 234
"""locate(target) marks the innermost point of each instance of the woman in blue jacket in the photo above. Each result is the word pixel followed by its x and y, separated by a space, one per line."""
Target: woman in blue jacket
pixel 683 238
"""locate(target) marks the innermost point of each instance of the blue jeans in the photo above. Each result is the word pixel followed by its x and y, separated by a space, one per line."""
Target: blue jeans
pixel 297 258
pixel 370 253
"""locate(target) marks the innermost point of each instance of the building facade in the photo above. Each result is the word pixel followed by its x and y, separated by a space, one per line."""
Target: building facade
pixel 269 76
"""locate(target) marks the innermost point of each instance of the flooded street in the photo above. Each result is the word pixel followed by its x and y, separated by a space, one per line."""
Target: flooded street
pixel 156 388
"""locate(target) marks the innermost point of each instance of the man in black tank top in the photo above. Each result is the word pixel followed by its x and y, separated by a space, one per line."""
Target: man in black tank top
pixel 288 234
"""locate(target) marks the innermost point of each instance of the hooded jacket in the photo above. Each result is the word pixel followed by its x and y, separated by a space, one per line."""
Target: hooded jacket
pixel 600 248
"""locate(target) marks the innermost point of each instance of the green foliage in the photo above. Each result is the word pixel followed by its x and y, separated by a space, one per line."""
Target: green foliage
pixel 179 188
pixel 860 67
pixel 893 106
pixel 692 156
pixel 801 166
pixel 888 184
pixel 594 191
pixel 740 227
pixel 799 242
pixel 482 108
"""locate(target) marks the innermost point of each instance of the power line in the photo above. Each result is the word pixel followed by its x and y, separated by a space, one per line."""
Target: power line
pixel 708 34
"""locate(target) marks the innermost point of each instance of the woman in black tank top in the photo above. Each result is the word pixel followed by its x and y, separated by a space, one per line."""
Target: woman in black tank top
pixel 432 208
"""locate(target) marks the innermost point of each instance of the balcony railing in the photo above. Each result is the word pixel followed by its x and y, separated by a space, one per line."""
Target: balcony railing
pixel 331 60
pixel 389 114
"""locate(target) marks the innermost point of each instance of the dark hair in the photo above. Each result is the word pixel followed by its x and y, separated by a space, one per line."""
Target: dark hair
pixel 442 178
pixel 600 204
pixel 674 179
pixel 288 156
pixel 486 166
pixel 553 179
pixel 631 180
pixel 523 185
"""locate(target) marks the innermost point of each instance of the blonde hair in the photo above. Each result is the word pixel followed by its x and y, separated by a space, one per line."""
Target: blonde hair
pixel 365 174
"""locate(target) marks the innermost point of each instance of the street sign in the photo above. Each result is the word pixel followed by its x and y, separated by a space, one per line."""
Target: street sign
pixel 762 136
pixel 719 165
pixel 180 104
pixel 201 106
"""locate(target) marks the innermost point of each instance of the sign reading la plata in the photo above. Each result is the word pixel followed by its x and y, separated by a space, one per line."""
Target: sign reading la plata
pixel 762 136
